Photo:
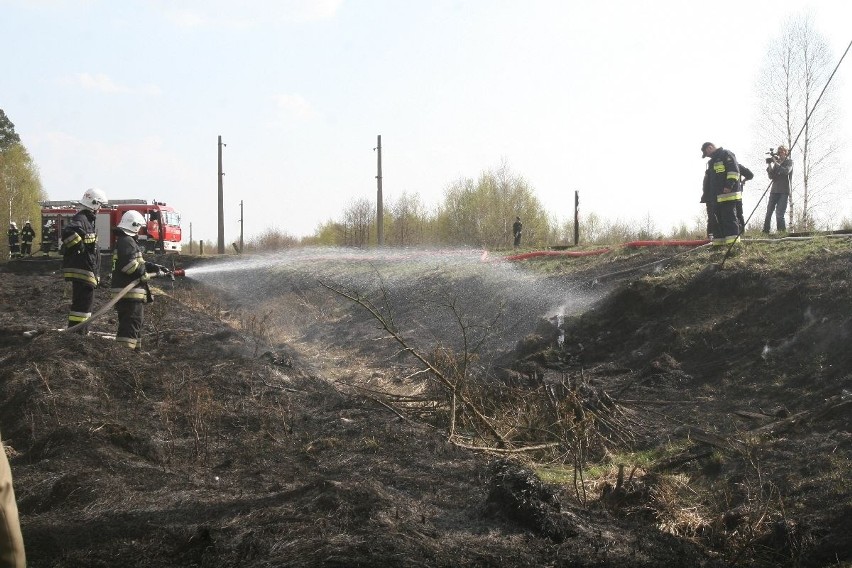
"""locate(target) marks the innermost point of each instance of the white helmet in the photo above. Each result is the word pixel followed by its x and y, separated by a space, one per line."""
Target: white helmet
pixel 13 225
pixel 93 199
pixel 131 222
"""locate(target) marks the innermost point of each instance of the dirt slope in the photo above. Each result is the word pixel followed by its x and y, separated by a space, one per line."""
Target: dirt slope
pixel 219 446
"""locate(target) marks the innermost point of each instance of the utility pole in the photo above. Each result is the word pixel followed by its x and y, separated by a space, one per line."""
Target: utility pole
pixel 576 218
pixel 241 226
pixel 380 229
pixel 221 203
pixel 190 238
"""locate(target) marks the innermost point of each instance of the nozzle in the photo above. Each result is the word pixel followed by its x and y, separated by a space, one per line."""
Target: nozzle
pixel 179 272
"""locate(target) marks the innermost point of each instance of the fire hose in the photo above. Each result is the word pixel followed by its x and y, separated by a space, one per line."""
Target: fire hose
pixel 162 271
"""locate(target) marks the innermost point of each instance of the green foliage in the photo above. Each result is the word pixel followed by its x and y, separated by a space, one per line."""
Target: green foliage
pixel 8 136
pixel 481 212
pixel 406 221
pixel 327 234
pixel 21 191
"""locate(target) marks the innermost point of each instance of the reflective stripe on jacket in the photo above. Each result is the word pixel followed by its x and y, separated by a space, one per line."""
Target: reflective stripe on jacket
pixel 127 266
pixel 724 174
pixel 80 248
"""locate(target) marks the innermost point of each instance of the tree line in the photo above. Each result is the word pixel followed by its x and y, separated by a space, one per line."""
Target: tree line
pixel 21 191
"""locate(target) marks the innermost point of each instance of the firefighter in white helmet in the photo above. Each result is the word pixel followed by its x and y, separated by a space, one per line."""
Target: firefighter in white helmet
pixel 128 267
pixel 28 235
pixel 81 257
pixel 14 240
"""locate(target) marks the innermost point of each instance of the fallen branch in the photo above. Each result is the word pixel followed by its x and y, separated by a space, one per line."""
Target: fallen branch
pixel 504 450
pixel 433 371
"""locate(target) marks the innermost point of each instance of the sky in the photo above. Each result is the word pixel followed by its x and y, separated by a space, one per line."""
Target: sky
pixel 609 98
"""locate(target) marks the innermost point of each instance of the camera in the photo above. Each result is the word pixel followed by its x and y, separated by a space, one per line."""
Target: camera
pixel 773 156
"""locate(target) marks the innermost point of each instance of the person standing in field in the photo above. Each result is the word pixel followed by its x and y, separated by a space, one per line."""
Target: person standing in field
pixel 517 228
pixel 81 256
pixel 27 237
pixel 780 170
pixel 724 184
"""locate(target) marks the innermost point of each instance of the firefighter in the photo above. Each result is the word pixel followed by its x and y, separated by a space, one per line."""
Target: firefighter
pixel 517 228
pixel 14 241
pixel 81 257
pixel 11 542
pixel 724 184
pixel 128 266
pixel 27 237
pixel 48 237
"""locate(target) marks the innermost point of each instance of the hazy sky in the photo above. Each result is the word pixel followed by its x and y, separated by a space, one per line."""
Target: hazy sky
pixel 610 98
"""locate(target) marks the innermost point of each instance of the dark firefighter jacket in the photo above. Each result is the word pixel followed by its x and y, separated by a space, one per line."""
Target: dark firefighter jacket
pixel 27 234
pixel 13 237
pixel 80 249
pixel 127 266
pixel 48 234
pixel 723 173
pixel 707 195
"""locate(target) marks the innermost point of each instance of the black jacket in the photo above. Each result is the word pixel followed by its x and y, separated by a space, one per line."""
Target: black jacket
pixel 27 234
pixel 80 253
pixel 127 266
pixel 723 173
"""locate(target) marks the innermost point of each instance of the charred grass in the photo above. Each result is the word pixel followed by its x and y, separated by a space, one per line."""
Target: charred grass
pixel 694 416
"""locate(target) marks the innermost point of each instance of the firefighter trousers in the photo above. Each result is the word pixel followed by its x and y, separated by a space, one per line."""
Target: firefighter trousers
pixel 11 542
pixel 728 224
pixel 130 316
pixel 82 298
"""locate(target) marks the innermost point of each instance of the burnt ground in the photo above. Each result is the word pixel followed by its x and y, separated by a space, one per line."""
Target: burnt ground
pixel 268 421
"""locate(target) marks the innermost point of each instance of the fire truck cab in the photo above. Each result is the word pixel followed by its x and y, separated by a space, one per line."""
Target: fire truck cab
pixel 162 230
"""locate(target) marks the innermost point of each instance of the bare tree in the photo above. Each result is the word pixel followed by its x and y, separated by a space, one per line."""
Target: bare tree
pixel 358 219
pixel 797 68
pixel 408 220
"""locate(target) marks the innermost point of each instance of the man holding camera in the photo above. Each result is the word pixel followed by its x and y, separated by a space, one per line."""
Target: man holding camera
pixel 780 170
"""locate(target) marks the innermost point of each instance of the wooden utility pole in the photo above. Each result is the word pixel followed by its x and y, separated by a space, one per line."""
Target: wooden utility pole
pixel 221 203
pixel 241 226
pixel 190 238
pixel 380 229
pixel 576 218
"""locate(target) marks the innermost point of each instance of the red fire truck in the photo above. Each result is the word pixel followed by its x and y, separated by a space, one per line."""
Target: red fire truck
pixel 161 233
